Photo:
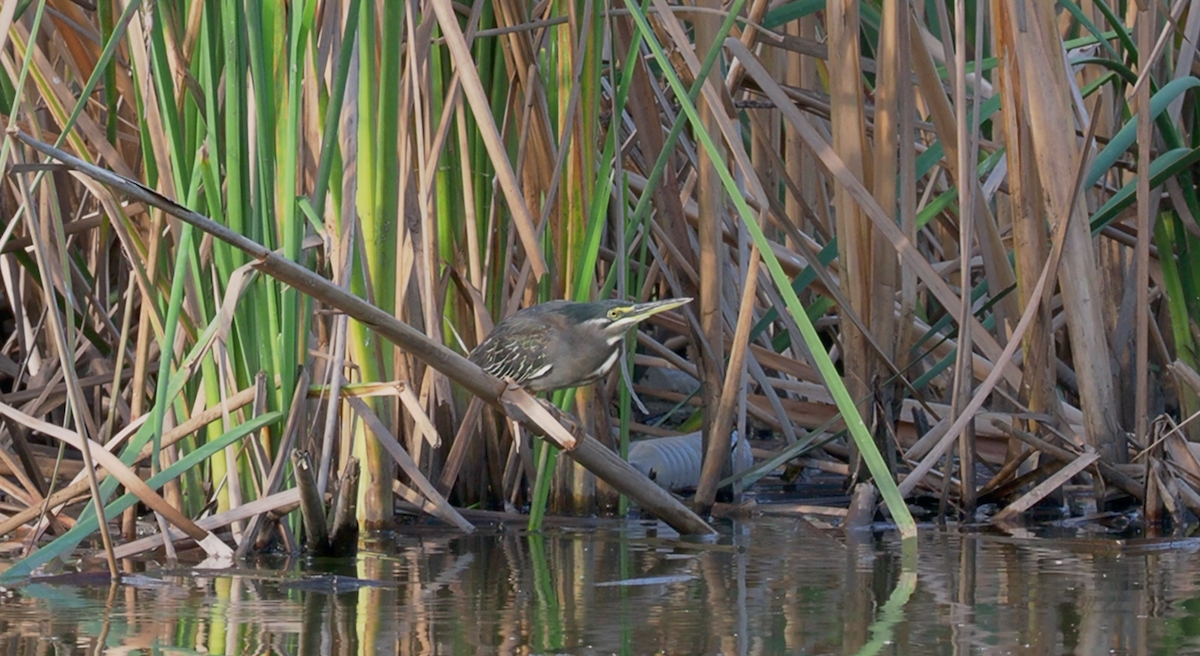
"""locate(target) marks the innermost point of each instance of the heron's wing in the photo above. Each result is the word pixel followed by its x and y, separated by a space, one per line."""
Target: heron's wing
pixel 520 355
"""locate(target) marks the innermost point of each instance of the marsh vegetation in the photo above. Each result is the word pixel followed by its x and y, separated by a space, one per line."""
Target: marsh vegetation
pixel 949 247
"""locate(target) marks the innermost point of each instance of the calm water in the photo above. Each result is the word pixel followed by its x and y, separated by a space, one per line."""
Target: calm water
pixel 768 586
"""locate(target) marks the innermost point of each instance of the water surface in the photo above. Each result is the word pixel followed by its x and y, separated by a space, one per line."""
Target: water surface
pixel 768 586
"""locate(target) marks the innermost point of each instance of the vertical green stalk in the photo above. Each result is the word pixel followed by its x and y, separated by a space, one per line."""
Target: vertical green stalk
pixel 263 49
pixel 294 314
pixel 229 26
pixel 166 102
pixel 447 203
pixel 104 10
pixel 381 239
pixel 162 400
pixel 166 346
pixel 364 346
pixel 236 147
pixel 223 256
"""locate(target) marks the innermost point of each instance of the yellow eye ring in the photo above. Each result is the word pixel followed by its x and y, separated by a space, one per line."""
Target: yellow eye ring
pixel 614 314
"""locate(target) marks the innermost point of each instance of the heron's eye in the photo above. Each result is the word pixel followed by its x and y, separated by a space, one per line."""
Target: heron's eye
pixel 614 314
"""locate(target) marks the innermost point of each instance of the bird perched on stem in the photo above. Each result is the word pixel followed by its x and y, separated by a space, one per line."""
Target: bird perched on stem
pixel 562 344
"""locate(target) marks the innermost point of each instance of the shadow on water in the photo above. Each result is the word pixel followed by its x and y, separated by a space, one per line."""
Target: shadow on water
pixel 767 586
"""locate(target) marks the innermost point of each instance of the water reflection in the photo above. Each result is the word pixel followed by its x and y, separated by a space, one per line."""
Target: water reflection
pixel 769 586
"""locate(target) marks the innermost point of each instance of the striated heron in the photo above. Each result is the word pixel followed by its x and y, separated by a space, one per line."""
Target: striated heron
pixel 562 344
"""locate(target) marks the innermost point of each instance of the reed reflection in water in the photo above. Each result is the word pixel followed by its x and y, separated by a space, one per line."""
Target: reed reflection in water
pixel 768 587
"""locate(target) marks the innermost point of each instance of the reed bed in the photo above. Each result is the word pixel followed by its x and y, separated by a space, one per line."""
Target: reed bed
pixel 947 247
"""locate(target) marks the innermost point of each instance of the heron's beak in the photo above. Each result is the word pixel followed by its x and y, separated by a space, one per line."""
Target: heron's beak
pixel 643 311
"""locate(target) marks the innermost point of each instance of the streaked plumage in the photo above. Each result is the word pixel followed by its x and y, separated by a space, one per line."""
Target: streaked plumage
pixel 562 344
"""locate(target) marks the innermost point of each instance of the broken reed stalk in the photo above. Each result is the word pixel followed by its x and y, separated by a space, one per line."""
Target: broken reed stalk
pixel 312 506
pixel 587 451
pixel 343 524
pixel 275 477
pixel 333 534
